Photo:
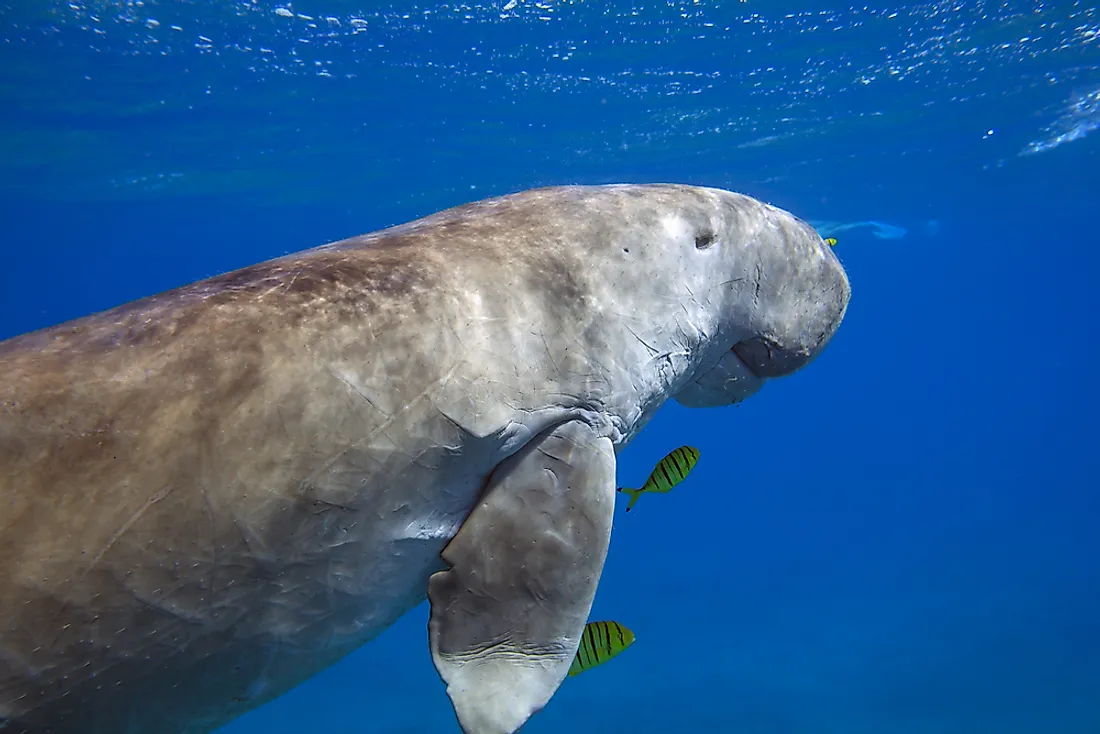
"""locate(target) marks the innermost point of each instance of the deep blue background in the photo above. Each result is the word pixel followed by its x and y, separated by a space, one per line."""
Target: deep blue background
pixel 905 537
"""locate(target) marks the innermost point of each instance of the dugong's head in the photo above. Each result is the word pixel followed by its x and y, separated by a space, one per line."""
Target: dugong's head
pixel 776 289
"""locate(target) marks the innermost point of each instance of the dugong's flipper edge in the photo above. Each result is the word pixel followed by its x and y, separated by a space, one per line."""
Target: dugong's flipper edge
pixel 507 618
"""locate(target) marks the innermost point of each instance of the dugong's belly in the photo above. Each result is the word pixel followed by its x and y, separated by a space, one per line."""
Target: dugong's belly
pixel 204 605
pixel 181 625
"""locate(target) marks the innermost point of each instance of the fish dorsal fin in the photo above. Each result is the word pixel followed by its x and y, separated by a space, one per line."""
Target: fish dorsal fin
pixel 507 617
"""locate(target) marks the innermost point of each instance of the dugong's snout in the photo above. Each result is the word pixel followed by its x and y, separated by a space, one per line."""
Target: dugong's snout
pixel 809 315
pixel 798 299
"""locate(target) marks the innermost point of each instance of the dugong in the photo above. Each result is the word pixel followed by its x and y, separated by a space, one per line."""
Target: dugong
pixel 209 495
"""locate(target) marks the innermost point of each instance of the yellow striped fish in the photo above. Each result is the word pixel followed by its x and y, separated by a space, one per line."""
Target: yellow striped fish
pixel 600 642
pixel 669 472
pixel 830 241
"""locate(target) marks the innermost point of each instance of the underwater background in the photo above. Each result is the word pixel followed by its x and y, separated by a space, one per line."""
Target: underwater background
pixel 902 538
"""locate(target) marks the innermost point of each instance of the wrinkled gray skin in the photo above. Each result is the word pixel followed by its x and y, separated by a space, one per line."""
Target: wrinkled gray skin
pixel 209 495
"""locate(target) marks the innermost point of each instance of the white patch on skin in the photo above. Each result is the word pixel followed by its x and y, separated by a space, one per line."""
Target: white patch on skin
pixel 436 526
pixel 676 228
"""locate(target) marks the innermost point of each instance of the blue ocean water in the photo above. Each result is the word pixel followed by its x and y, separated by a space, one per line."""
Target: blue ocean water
pixel 903 538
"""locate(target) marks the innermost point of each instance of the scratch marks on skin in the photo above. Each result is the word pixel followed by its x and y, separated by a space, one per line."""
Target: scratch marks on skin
pixel 652 349
pixel 725 283
pixel 550 353
pixel 255 547
pixel 310 481
pixel 758 278
pixel 126 526
pixel 357 390
pixel 308 488
pixel 639 370
pixel 160 495
pixel 290 284
pixel 213 566
pixel 389 421
pixel 655 354
pixel 593 368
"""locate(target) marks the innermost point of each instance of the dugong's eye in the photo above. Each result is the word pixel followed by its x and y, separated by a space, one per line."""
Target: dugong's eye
pixel 704 239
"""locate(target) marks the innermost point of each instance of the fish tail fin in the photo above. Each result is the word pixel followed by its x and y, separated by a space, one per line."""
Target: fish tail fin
pixel 633 494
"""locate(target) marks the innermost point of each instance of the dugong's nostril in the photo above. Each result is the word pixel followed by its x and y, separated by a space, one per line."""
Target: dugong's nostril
pixel 705 239
pixel 767 359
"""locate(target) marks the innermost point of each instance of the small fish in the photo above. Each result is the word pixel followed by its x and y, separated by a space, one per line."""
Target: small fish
pixel 669 472
pixel 830 241
pixel 600 642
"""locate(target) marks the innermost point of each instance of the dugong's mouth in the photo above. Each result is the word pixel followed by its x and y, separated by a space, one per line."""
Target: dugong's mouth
pixel 766 359
pixel 729 381
pixel 741 372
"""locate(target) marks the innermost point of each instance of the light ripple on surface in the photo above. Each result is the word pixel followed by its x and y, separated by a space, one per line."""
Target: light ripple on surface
pixel 729 82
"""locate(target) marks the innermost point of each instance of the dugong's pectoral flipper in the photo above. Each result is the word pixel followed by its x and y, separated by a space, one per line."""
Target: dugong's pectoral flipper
pixel 507 618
